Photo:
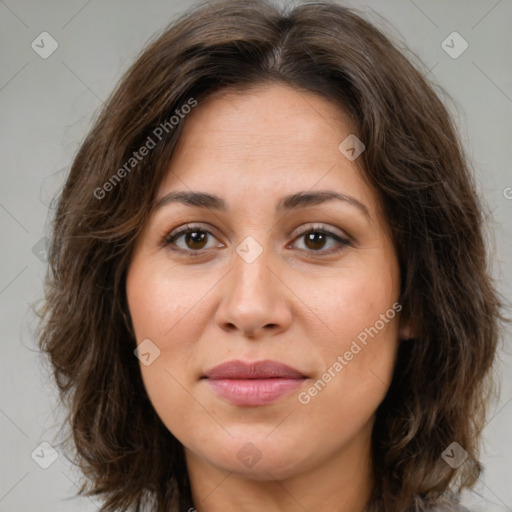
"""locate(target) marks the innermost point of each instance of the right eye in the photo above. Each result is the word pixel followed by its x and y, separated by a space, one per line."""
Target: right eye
pixel 188 238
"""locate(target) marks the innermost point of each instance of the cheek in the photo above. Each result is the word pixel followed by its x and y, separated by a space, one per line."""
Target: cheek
pixel 348 303
pixel 359 307
pixel 163 313
pixel 162 301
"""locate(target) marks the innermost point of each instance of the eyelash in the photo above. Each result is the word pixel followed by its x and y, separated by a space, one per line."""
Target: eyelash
pixel 190 228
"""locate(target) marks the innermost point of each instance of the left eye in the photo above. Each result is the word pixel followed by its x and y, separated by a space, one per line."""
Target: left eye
pixel 194 239
pixel 316 239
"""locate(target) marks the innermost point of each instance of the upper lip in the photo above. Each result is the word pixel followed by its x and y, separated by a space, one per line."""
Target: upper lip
pixel 266 369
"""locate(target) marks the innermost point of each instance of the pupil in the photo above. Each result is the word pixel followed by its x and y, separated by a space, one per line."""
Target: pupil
pixel 195 237
pixel 318 244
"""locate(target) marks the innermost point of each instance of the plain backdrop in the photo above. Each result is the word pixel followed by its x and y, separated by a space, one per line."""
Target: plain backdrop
pixel 47 105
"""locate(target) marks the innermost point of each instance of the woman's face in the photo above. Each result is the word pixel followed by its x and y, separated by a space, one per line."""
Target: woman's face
pixel 251 282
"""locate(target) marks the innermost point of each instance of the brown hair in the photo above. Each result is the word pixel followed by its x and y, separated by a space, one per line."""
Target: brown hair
pixel 414 160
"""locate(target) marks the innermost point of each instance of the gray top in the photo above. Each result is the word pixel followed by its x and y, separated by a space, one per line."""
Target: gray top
pixel 452 507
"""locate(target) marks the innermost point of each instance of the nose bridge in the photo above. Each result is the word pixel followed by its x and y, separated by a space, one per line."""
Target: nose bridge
pixel 251 274
pixel 253 299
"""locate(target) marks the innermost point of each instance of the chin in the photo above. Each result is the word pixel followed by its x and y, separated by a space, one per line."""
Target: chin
pixel 262 458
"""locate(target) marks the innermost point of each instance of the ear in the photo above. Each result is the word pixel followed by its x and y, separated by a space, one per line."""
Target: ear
pixel 408 329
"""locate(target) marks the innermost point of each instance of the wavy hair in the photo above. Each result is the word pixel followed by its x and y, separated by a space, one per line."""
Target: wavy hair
pixel 413 159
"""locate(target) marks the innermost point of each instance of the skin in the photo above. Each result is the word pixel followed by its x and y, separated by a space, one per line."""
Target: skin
pixel 291 304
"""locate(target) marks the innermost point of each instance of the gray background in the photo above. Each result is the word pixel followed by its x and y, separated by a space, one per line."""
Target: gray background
pixel 46 108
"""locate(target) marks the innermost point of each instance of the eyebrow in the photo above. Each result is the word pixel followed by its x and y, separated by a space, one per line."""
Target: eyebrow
pixel 288 203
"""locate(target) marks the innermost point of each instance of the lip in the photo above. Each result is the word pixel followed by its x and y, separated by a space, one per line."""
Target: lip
pixel 252 384
pixel 265 369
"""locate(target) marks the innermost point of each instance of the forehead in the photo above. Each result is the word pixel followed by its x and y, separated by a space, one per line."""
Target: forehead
pixel 263 143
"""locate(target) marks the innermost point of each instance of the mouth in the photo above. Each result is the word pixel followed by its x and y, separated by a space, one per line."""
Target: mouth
pixel 253 384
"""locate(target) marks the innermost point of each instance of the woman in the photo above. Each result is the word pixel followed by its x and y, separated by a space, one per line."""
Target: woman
pixel 268 283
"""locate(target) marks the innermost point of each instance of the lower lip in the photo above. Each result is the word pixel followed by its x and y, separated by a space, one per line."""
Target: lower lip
pixel 253 391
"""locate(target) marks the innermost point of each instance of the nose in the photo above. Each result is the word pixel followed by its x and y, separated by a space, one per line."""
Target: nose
pixel 255 301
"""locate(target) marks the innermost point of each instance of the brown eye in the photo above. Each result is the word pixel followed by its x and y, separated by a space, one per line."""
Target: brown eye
pixel 315 240
pixel 195 239
pixel 188 238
